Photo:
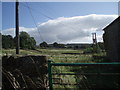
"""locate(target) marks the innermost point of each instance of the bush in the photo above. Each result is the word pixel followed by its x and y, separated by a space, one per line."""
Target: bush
pixel 88 50
pixel 94 49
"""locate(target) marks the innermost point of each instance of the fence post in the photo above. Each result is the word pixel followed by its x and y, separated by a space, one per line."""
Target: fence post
pixel 50 75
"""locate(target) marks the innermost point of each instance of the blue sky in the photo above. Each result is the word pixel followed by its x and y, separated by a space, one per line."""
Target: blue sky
pixel 63 22
pixel 54 10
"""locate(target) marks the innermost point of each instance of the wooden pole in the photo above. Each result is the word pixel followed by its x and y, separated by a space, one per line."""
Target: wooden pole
pixel 17 27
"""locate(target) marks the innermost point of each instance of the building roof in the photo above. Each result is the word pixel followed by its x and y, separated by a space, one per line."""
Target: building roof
pixel 117 19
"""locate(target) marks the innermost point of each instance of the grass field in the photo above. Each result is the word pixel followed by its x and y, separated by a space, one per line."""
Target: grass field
pixel 55 55
pixel 60 56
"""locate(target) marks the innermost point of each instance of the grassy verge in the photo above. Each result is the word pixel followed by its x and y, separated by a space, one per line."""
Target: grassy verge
pixel 59 56
pixel 54 54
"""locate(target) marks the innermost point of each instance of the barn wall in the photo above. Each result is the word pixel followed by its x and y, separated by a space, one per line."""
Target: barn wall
pixel 111 39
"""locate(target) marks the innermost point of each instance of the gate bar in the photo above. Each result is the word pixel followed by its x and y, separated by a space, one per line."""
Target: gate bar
pixel 82 64
pixel 50 75
pixel 71 64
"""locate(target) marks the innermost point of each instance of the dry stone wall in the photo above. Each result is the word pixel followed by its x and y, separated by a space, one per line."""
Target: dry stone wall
pixel 26 72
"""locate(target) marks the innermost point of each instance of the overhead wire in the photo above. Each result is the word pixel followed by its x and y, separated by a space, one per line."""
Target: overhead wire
pixel 34 21
pixel 49 10
pixel 51 18
pixel 37 11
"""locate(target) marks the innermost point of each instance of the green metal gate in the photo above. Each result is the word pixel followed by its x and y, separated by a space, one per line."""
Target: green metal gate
pixel 95 65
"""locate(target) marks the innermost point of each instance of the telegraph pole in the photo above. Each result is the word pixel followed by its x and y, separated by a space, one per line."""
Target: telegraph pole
pixel 17 27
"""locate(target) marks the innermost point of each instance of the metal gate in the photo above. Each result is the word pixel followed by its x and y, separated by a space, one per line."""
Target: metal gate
pixel 95 65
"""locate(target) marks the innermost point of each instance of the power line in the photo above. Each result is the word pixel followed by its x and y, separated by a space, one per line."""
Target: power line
pixel 50 17
pixel 48 10
pixel 34 21
pixel 37 11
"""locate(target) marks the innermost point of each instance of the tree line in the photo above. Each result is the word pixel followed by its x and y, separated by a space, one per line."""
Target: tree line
pixel 54 45
pixel 26 42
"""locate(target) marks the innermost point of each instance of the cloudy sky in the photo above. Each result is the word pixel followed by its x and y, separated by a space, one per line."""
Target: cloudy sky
pixel 60 22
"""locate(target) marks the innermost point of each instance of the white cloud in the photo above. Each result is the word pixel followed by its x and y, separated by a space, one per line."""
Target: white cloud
pixel 11 31
pixel 68 30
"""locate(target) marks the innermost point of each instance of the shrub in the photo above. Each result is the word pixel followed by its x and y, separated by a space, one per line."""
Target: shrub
pixel 94 49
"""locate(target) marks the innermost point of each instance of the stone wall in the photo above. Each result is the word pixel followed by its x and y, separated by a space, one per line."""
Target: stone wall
pixel 26 72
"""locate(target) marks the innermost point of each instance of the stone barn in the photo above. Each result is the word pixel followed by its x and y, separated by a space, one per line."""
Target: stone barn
pixel 111 39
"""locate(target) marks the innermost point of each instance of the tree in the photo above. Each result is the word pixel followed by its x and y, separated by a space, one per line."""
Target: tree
pixel 0 35
pixel 55 44
pixel 101 45
pixel 43 45
pixel 61 45
pixel 7 41
pixel 27 42
pixel 0 40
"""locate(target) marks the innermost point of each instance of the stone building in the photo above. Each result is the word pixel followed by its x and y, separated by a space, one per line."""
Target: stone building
pixel 111 39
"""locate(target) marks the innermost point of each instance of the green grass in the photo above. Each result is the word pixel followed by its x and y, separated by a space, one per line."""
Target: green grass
pixel 57 57
pixel 53 54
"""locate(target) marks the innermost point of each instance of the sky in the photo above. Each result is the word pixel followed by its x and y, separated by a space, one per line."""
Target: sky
pixel 62 22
